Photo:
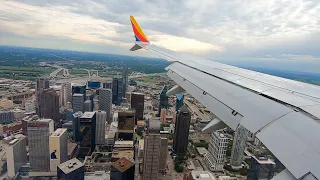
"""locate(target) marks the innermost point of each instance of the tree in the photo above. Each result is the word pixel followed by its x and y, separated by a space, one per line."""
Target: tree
pixel 201 144
pixel 139 133
pixel 171 136
pixel 178 167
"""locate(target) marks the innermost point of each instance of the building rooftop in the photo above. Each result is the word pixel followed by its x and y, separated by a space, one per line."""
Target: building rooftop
pixel 88 115
pixel 122 164
pixel 97 175
pixel 43 120
pixel 78 84
pixel 179 96
pixel 70 165
pixel 58 132
pixel 227 178
pixel 202 151
pixel 154 125
pixel 129 154
pixel 77 114
pixel 77 94
pixel 138 93
pixel 13 139
pixel 263 160
pixel 202 175
pixel 122 143
pixel 140 123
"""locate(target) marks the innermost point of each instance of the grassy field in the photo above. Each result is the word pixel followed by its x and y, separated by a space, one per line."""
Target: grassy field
pixel 26 69
pixel 27 73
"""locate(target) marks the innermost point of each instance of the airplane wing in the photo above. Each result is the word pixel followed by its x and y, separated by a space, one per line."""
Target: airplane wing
pixel 283 114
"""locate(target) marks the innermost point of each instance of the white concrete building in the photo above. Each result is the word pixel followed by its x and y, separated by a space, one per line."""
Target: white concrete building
pixel 66 93
pixel 201 175
pixel 58 148
pixel 16 153
pixel 217 151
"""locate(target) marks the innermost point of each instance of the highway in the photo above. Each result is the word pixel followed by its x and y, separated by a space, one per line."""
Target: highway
pixel 195 110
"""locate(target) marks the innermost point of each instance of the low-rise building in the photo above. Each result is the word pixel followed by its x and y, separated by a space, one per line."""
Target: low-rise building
pixel 227 178
pixel 202 175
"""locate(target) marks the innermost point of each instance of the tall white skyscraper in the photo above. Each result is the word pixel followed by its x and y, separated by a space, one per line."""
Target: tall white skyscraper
pixel 66 93
pixel 39 132
pixel 216 155
pixel 16 153
pixel 105 102
pixel 58 148
pixel 238 147
pixel 151 152
pixel 100 127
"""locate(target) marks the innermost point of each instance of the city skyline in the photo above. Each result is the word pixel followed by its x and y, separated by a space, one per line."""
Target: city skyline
pixel 284 32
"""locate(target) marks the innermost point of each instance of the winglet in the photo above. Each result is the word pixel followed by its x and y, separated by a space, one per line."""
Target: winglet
pixel 141 38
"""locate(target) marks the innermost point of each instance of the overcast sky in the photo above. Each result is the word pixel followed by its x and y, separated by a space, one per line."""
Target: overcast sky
pixel 281 33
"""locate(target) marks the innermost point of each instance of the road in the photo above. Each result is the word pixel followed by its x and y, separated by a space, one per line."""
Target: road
pixel 58 69
pixel 195 110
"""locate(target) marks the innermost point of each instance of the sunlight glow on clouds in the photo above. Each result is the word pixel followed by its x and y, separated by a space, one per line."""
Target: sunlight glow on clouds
pixel 212 28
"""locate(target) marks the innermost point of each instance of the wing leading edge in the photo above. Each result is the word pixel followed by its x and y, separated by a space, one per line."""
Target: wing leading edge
pixel 284 114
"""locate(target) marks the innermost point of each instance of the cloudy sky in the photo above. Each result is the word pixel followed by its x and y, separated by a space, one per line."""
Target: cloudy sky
pixel 279 33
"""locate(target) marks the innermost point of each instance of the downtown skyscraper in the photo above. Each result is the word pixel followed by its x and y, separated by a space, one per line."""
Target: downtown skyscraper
pixel 42 84
pixel 125 80
pixel 66 93
pixel 100 127
pixel 16 152
pixel 216 156
pixel 151 152
pixel 137 103
pixel 58 148
pixel 179 101
pixel 182 125
pixel 105 102
pixel 39 132
pixel 49 105
pixel 78 102
pixel 117 90
pixel 163 102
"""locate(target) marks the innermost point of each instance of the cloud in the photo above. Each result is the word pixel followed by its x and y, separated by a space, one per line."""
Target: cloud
pixel 216 29
pixel 181 44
